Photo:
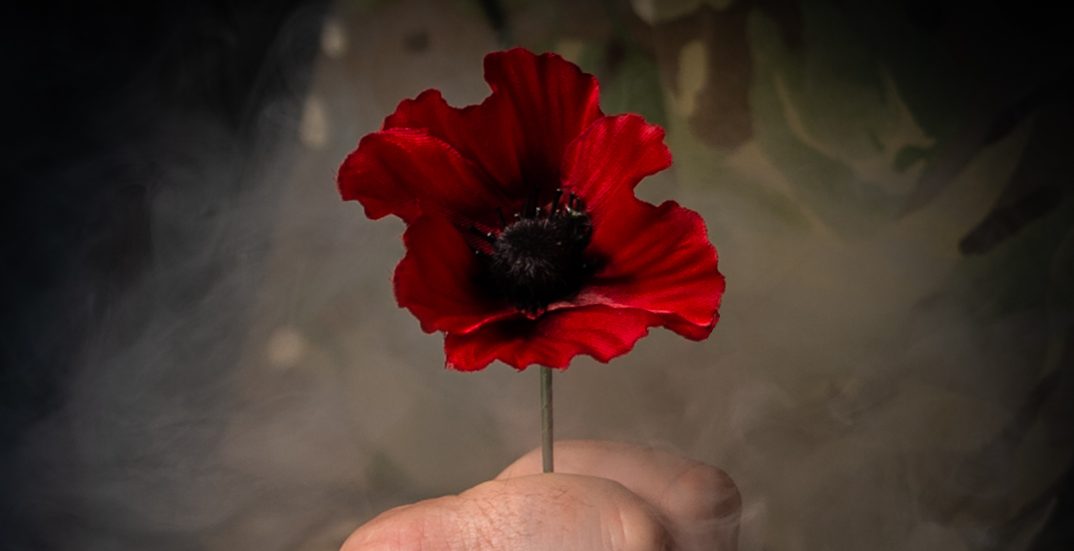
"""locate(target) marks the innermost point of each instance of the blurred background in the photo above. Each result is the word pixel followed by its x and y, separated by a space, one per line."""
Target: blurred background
pixel 201 350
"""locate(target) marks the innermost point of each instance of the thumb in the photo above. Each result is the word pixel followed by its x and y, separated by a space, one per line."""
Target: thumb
pixel 529 513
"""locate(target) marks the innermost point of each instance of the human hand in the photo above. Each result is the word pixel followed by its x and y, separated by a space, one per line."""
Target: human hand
pixel 604 496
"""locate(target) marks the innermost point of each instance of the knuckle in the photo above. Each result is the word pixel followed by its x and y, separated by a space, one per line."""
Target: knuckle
pixel 641 531
pixel 637 528
pixel 401 533
pixel 703 493
pixel 485 523
pixel 425 526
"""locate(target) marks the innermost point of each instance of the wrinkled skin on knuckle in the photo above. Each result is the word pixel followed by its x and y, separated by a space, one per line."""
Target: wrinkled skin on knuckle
pixel 496 518
pixel 450 523
pixel 567 513
pixel 533 513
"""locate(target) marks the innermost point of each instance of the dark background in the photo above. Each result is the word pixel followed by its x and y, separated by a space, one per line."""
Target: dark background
pixel 90 85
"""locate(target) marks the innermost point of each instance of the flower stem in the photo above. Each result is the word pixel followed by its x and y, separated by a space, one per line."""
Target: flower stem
pixel 546 419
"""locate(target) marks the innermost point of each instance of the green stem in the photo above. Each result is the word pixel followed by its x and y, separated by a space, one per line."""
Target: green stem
pixel 546 419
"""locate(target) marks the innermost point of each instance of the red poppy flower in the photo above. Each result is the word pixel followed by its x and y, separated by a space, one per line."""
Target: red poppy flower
pixel 525 242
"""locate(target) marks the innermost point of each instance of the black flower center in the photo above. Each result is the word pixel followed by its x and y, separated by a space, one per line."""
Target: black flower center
pixel 538 260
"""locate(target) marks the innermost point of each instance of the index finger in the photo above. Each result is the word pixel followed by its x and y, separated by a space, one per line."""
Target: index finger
pixel 699 502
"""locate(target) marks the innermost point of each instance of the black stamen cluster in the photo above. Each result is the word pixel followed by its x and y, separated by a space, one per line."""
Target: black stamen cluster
pixel 541 259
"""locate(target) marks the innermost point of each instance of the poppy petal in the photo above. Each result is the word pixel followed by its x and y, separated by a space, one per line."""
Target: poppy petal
pixel 407 172
pixel 436 279
pixel 469 130
pixel 549 101
pixel 657 259
pixel 539 104
pixel 612 156
pixel 550 340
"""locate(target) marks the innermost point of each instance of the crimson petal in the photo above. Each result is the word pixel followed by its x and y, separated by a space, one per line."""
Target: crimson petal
pixel 550 340
pixel 539 104
pixel 480 133
pixel 436 282
pixel 407 172
pixel 550 100
pixel 657 259
pixel 611 157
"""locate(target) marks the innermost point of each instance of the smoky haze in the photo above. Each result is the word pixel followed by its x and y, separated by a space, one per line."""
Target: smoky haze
pixel 250 383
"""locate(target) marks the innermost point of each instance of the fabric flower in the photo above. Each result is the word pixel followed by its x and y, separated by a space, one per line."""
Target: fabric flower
pixel 525 242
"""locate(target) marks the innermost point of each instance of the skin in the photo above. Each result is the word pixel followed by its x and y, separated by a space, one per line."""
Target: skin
pixel 604 496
